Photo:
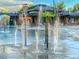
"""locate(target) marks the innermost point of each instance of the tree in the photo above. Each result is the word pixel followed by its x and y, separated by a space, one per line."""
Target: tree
pixel 4 9
pixel 24 7
pixel 70 9
pixel 61 5
pixel 76 7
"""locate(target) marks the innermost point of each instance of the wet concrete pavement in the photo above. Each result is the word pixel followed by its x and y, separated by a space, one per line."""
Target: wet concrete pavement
pixel 69 50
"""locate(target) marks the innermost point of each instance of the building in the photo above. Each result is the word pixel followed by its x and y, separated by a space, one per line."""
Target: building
pixel 13 17
pixel 71 18
pixel 33 14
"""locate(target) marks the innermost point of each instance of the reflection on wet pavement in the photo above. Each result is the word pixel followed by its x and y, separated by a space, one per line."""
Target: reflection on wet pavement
pixel 70 50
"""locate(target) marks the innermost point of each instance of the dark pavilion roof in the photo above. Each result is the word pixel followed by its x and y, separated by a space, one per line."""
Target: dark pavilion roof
pixel 71 14
pixel 45 8
pixel 76 13
pixel 51 9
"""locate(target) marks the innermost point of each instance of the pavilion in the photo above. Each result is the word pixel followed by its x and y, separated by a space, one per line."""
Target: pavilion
pixel 71 18
pixel 32 13
pixel 66 17
pixel 13 17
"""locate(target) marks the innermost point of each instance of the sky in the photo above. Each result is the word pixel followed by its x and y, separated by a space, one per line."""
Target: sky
pixel 68 3
pixel 11 4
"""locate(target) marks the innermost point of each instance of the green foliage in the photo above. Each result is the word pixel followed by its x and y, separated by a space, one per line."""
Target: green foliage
pixel 70 9
pixel 4 9
pixel 61 5
pixel 76 7
pixel 24 7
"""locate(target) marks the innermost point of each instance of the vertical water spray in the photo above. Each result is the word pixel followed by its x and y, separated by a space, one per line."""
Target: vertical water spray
pixel 37 56
pixel 15 41
pixel 15 37
pixel 24 31
pixel 37 32
pixel 4 24
pixel 56 29
pixel 56 33
pixel 8 25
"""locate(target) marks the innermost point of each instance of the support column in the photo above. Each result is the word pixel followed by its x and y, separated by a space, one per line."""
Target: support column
pixel 66 21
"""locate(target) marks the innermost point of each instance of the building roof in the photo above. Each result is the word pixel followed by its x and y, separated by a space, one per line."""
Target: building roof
pixel 10 14
pixel 76 13
pixel 45 8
